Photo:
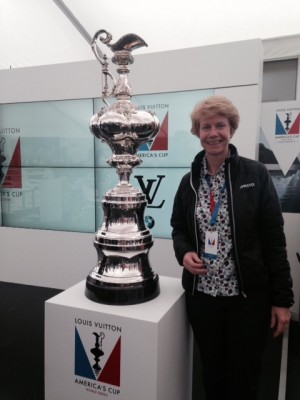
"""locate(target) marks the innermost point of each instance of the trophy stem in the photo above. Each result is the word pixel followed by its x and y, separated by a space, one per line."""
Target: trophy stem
pixel 124 164
pixel 124 177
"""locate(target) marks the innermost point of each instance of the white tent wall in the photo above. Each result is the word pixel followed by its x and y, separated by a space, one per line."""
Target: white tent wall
pixel 36 32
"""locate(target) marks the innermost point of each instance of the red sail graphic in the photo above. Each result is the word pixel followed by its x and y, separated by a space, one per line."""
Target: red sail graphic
pixel 111 373
pixel 295 128
pixel 13 178
pixel 161 140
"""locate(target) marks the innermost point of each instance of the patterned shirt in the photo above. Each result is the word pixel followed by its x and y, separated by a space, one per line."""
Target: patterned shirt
pixel 220 279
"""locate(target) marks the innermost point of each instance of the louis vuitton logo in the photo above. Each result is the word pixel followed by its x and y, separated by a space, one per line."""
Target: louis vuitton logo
pixel 151 187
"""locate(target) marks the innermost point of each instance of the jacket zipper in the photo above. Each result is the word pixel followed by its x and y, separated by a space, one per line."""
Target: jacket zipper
pixel 234 234
pixel 195 227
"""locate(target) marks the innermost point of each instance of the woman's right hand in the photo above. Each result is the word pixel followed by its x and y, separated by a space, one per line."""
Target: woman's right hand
pixel 194 264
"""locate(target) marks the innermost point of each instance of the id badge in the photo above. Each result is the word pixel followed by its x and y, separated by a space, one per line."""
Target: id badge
pixel 211 244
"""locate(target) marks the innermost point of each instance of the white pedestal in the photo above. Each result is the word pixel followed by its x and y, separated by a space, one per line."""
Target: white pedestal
pixel 147 347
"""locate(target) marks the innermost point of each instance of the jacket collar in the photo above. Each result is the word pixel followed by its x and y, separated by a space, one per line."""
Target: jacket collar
pixel 196 164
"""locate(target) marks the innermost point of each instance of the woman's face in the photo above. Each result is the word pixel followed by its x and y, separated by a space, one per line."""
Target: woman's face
pixel 215 135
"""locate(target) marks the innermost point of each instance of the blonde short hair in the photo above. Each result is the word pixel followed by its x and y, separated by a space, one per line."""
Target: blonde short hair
pixel 212 106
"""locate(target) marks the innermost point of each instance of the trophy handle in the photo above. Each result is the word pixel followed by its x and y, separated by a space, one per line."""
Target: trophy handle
pixel 102 58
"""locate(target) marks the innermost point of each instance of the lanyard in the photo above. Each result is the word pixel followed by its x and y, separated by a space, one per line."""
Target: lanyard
pixel 214 207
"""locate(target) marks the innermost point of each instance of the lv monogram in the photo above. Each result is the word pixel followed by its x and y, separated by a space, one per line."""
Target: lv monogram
pixel 151 187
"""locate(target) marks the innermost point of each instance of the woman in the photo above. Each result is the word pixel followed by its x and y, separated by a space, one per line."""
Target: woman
pixel 228 235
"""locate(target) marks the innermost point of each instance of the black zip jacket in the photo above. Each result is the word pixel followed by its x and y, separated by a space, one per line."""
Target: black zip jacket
pixel 259 244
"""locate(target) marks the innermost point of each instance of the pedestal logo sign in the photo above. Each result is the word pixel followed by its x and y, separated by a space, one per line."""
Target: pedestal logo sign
pixel 97 360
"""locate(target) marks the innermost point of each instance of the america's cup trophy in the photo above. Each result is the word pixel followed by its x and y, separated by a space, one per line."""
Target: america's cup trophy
pixel 123 274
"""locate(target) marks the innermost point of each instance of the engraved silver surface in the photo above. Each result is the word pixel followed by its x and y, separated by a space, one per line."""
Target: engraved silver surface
pixel 123 274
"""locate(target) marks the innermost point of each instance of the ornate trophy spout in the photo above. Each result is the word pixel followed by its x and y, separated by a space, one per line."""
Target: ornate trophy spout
pixel 123 274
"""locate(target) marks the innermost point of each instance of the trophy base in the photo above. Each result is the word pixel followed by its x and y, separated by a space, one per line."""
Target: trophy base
pixel 105 293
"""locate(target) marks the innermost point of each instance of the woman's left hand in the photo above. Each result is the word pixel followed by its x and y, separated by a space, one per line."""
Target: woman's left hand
pixel 280 320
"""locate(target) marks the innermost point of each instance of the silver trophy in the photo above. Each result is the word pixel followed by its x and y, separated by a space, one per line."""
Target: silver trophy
pixel 123 274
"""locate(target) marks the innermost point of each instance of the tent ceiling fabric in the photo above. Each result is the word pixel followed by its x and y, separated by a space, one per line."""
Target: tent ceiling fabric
pixel 37 32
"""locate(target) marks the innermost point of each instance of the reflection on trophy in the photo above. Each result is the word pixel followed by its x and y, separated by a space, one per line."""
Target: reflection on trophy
pixel 123 274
